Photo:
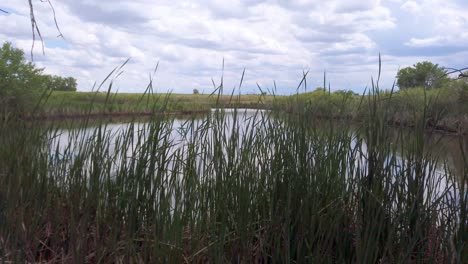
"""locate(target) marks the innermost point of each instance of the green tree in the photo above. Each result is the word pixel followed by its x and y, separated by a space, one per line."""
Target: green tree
pixel 57 83
pixel 422 74
pixel 462 82
pixel 21 82
pixel 19 79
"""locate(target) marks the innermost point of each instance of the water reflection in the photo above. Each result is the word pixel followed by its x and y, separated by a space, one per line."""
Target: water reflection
pixel 448 149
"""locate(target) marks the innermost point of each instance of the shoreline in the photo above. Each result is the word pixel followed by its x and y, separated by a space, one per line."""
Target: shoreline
pixel 447 126
pixel 75 116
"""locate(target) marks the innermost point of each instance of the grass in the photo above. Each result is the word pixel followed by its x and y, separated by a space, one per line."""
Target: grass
pixel 444 109
pixel 267 187
pixel 78 103
pixel 447 111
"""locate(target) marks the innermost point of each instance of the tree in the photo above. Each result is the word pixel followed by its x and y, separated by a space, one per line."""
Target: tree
pixel 422 74
pixel 195 91
pixel 18 78
pixel 21 82
pixel 463 84
pixel 57 83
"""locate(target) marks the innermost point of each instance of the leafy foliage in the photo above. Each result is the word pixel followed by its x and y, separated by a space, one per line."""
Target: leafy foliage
pixel 463 88
pixel 57 83
pixel 21 81
pixel 422 74
pixel 17 76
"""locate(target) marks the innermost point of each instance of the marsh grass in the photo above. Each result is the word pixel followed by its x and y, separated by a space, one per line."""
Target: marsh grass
pixel 231 187
pixel 75 104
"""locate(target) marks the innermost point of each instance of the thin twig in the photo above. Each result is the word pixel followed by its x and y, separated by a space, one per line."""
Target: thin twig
pixel 35 29
pixel 461 75
pixel 55 19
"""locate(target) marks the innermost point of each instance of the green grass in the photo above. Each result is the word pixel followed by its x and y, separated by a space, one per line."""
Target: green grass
pixel 76 103
pixel 271 187
pixel 447 111
pixel 444 109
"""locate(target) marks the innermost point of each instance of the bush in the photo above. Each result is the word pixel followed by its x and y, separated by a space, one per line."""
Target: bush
pixel 57 83
pixel 463 89
pixel 20 79
pixel 423 74
pixel 22 83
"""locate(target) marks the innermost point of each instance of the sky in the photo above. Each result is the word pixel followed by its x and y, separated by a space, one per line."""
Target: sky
pixel 275 41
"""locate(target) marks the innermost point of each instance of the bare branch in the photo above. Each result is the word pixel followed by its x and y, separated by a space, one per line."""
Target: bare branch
pixel 460 71
pixel 55 18
pixel 6 12
pixel 35 27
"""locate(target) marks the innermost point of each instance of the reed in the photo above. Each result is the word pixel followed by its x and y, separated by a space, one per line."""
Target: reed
pixel 230 187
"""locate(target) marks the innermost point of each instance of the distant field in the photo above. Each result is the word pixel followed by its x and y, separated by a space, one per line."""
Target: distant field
pixel 73 103
pixel 229 188
pixel 445 109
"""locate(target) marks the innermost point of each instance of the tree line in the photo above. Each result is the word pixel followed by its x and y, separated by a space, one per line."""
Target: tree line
pixel 429 75
pixel 22 81
pixel 16 73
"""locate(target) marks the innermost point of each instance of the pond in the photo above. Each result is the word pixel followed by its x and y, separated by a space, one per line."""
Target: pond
pixel 250 143
pixel 239 178
pixel 447 149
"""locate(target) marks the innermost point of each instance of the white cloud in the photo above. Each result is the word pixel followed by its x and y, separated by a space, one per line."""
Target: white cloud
pixel 356 6
pixel 273 39
pixel 447 20
pixel 425 42
pixel 411 7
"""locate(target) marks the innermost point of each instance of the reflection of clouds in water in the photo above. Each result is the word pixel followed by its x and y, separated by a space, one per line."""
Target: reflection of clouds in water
pixel 66 144
pixel 176 137
pixel 446 148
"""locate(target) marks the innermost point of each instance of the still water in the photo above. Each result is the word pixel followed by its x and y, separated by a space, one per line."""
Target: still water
pixel 125 147
pixel 447 149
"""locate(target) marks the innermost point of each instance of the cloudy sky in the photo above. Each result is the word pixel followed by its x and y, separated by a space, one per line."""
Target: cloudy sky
pixel 274 40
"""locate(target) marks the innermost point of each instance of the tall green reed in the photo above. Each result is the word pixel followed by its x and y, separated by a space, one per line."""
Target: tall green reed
pixel 230 187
